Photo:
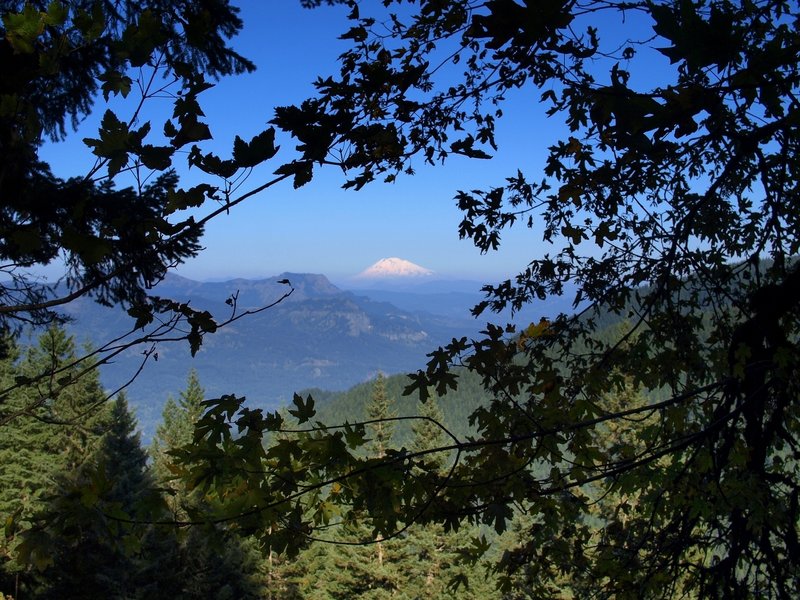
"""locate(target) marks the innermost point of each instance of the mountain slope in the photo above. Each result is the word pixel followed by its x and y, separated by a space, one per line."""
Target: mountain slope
pixel 321 336
pixel 456 405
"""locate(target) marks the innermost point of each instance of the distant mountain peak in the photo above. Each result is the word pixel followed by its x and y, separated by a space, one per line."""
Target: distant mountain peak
pixel 387 268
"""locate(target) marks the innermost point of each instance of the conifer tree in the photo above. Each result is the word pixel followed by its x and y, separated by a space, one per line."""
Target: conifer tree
pixel 336 569
pixel 351 562
pixel 50 427
pixel 21 467
pixel 23 464
pixel 379 409
pixel 208 562
pixel 97 552
pixel 67 400
pixel 428 433
pixel 122 460
pixel 177 424
pixel 436 552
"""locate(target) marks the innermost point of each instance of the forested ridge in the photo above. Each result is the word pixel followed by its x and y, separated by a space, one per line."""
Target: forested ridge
pixel 350 405
pixel 69 504
pixel 92 515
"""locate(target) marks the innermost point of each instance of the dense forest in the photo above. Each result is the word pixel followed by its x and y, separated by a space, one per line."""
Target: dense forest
pixel 658 459
pixel 90 513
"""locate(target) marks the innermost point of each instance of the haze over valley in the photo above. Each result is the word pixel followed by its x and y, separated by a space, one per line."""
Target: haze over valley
pixel 321 336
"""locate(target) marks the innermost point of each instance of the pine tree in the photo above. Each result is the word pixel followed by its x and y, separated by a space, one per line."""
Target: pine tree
pixel 380 408
pixel 208 562
pixel 177 424
pixel 328 570
pixel 97 552
pixel 336 568
pixel 428 433
pixel 122 458
pixel 436 552
pixel 69 401
pixel 22 470
pixel 52 426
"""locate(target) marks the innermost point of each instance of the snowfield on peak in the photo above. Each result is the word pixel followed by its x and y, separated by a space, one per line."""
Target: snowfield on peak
pixel 394 267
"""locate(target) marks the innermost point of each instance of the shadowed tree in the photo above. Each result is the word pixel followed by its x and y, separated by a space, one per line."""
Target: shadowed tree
pixel 112 232
pixel 207 561
pixel 379 409
pixel 52 428
pixel 665 196
pixel 97 549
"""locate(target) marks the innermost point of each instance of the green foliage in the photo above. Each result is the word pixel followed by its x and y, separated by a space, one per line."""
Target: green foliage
pixel 117 228
pixel 457 406
pixel 350 561
pixel 428 432
pixel 177 425
pixel 660 201
pixel 348 565
pixel 208 561
pixel 95 550
pixel 55 59
pixel 379 411
pixel 49 429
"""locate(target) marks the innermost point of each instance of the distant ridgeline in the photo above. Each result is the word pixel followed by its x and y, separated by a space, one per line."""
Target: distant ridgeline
pixel 334 408
pixel 456 406
pixel 322 336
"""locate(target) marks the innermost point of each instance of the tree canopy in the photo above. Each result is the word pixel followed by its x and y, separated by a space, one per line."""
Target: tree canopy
pixel 670 205
pixel 57 57
pixel 110 234
pixel 655 459
pixel 113 232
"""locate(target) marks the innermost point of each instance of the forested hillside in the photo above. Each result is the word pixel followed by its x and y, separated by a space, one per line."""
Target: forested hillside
pixel 320 336
pixel 124 542
pixel 351 405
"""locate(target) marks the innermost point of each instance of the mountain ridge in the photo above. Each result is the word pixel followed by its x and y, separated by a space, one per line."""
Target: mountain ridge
pixel 320 336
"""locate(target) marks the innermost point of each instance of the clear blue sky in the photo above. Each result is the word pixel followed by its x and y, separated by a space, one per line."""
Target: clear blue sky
pixel 322 228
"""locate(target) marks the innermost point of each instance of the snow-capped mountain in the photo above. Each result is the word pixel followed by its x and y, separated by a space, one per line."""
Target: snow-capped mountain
pixel 387 268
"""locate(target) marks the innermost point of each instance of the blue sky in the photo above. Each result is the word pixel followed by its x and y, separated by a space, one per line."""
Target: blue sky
pixel 321 228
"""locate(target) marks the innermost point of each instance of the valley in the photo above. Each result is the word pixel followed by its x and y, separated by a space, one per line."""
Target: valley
pixel 321 336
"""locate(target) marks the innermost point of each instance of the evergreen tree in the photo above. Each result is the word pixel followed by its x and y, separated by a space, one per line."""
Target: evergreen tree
pixel 51 427
pixel 207 562
pixel 22 467
pixel 335 569
pixel 435 553
pixel 177 424
pixel 97 552
pixel 352 562
pixel 63 397
pixel 24 444
pixel 428 434
pixel 380 408
pixel 123 459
